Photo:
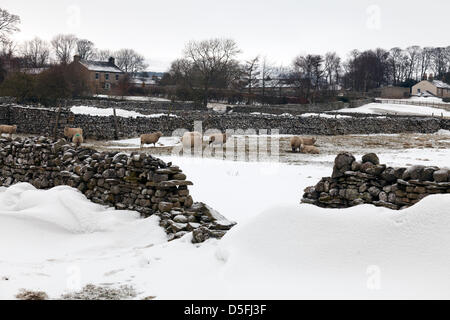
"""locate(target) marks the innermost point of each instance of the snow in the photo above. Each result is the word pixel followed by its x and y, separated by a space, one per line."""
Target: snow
pixel 288 251
pixel 100 66
pixel 361 252
pixel 427 99
pixel 132 98
pixel 136 143
pixel 57 241
pixel 441 84
pixel 100 112
pixel 323 115
pixel 401 109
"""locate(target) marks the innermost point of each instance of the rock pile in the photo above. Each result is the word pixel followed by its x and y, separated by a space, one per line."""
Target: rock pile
pixel 367 181
pixel 136 182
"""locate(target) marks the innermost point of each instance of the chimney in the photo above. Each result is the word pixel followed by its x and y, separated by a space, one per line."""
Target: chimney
pixel 430 77
pixel 76 58
pixel 111 60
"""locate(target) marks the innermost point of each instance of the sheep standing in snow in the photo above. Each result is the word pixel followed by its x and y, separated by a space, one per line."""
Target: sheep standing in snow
pixel 219 139
pixel 78 139
pixel 309 149
pixel 296 143
pixel 8 129
pixel 151 138
pixel 71 132
pixel 191 139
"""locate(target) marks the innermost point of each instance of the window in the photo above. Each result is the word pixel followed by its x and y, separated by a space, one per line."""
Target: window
pixel 107 86
pixel 418 90
pixel 117 77
pixel 106 76
pixel 96 76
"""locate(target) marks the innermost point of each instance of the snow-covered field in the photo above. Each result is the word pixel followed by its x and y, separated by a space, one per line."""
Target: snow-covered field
pixel 107 112
pixel 133 98
pixel 324 115
pixel 57 241
pixel 428 99
pixel 135 143
pixel 401 109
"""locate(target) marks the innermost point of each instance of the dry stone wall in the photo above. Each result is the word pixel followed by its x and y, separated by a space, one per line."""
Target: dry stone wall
pixel 369 182
pixel 137 182
pixel 41 121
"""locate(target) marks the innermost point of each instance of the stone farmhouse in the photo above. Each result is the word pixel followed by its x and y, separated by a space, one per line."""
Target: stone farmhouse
pixel 434 87
pixel 102 76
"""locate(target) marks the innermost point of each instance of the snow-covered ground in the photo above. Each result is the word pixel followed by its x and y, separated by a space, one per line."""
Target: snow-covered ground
pixel 401 109
pixel 427 99
pixel 323 115
pixel 57 241
pixel 135 143
pixel 132 98
pixel 93 111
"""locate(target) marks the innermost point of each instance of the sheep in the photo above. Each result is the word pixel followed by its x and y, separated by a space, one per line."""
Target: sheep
pixel 309 149
pixel 70 132
pixel 151 138
pixel 220 138
pixel 309 141
pixel 296 143
pixel 8 129
pixel 77 139
pixel 191 139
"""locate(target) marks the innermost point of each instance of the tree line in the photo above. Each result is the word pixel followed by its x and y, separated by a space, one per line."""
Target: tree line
pixel 212 64
pixel 210 70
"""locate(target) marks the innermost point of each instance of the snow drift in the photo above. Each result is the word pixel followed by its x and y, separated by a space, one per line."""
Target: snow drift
pixel 401 109
pixel 296 251
pixel 360 252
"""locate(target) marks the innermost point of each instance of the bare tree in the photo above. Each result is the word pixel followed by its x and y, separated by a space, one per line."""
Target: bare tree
pixel 7 48
pixel 103 55
pixel 413 56
pixel 308 74
pixel 212 59
pixel 251 73
pixel 64 46
pixel 397 65
pixel 266 70
pixel 8 24
pixel 130 61
pixel 332 68
pixel 85 49
pixel 438 61
pixel 36 52
pixel 425 61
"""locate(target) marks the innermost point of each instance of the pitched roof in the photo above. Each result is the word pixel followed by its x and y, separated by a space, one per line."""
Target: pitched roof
pixel 101 66
pixel 441 84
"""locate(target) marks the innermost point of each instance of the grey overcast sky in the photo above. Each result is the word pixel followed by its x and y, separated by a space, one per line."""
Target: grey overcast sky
pixel 279 29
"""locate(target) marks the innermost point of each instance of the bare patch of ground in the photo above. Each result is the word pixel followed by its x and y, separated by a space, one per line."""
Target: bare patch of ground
pixel 93 292
pixel 31 295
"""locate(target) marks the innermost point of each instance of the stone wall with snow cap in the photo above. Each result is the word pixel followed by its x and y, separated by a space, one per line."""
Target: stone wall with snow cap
pixel 41 121
pixel 136 182
pixel 369 182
